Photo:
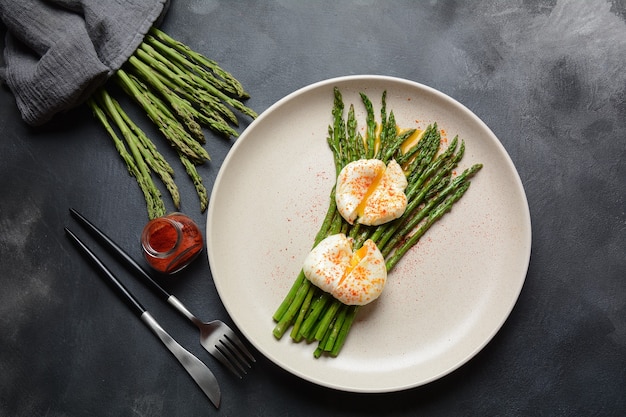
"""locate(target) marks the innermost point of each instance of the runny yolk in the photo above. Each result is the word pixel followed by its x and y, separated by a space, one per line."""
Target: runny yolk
pixel 411 141
pixel 354 261
pixel 377 131
pixel 360 209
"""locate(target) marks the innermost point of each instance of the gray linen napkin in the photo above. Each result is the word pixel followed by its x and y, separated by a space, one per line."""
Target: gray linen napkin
pixel 57 52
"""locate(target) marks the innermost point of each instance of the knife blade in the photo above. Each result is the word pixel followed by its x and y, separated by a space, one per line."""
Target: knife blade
pixel 194 366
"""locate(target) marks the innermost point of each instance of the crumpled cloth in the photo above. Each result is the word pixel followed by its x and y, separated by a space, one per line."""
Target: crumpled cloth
pixel 58 52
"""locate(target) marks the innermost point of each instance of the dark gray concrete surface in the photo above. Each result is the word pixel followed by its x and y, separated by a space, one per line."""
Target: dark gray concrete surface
pixel 548 77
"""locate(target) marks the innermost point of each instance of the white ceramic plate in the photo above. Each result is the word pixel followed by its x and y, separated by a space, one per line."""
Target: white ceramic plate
pixel 446 299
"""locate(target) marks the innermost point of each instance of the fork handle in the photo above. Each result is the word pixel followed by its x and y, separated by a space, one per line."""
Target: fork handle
pixel 130 263
pixel 180 307
pixel 117 285
pixel 120 253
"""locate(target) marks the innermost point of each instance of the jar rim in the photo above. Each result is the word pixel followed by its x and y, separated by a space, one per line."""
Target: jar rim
pixel 151 227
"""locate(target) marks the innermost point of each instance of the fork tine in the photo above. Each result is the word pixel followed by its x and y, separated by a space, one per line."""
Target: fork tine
pixel 219 355
pixel 236 355
pixel 237 342
pixel 227 352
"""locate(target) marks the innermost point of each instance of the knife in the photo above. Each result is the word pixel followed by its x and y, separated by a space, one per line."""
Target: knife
pixel 194 366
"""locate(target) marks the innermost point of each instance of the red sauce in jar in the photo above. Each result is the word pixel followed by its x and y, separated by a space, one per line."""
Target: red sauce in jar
pixel 171 242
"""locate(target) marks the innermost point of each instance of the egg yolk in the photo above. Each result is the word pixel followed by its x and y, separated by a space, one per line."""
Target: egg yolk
pixel 354 261
pixel 354 278
pixel 370 193
pixel 360 209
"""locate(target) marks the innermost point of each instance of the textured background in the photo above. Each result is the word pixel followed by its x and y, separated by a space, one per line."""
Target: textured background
pixel 546 76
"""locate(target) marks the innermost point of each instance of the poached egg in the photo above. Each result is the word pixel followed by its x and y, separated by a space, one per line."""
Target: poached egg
pixel 354 278
pixel 371 193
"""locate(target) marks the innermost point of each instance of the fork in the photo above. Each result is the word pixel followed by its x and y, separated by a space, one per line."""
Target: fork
pixel 216 337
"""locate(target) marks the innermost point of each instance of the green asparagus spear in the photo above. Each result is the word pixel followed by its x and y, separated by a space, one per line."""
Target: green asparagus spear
pixel 201 190
pixel 180 106
pixel 200 61
pixel 152 194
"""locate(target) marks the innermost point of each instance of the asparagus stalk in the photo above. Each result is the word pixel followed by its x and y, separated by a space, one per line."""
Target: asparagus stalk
pixel 151 155
pixel 119 144
pixel 195 64
pixel 201 61
pixel 203 114
pixel 343 332
pixel 286 319
pixel 181 107
pixel 182 84
pixel 201 190
pixel 152 194
pixel 162 117
pixel 371 127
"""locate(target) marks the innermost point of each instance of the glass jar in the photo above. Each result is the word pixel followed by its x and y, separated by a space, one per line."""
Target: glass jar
pixel 171 242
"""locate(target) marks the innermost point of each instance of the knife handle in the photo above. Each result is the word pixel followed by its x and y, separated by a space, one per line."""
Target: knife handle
pixel 120 253
pixel 117 285
pixel 200 373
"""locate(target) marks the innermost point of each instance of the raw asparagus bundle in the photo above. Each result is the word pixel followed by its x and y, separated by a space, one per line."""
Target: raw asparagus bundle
pixel 433 188
pixel 181 91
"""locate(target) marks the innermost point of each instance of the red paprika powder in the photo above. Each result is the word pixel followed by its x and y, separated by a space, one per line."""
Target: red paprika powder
pixel 171 242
